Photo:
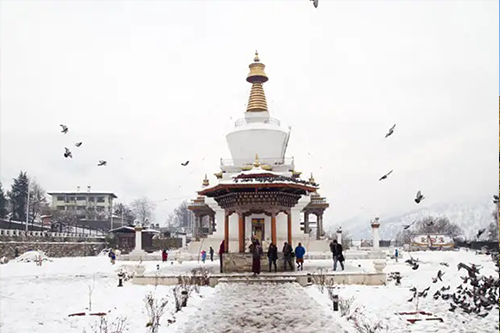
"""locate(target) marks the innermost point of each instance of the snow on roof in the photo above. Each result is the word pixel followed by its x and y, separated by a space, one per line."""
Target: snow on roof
pixel 129 228
pixel 81 193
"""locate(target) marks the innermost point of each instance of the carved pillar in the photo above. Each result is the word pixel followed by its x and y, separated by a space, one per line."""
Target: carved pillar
pixel 307 230
pixel 241 231
pixel 226 232
pixel 273 228
pixel 289 227
pixel 212 223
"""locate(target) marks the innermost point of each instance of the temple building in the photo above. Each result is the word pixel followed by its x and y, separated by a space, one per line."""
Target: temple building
pixel 258 193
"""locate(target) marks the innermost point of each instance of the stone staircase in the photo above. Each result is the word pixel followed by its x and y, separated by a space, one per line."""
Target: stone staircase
pixel 259 279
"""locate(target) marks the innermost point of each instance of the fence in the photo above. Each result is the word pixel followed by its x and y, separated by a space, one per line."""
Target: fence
pixel 20 233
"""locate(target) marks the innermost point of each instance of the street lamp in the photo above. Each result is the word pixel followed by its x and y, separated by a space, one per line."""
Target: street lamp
pixel 28 207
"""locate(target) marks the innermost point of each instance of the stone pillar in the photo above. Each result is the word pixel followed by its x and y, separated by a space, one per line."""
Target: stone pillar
pixel 273 228
pixel 319 229
pixel 212 223
pixel 289 227
pixel 376 236
pixel 307 230
pixel 339 236
pixel 138 239
pixel 241 232
pixel 226 233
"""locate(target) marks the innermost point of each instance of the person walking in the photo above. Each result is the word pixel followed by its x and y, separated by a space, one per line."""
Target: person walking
pixel 287 255
pixel 203 256
pixel 211 254
pixel 396 254
pixel 222 248
pixel 256 251
pixel 164 255
pixel 336 249
pixel 112 257
pixel 299 254
pixel 272 255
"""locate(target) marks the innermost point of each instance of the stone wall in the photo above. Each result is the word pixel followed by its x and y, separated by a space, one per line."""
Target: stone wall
pixel 52 246
pixel 242 263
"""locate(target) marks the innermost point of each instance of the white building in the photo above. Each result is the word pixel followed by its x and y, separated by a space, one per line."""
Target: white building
pixel 86 205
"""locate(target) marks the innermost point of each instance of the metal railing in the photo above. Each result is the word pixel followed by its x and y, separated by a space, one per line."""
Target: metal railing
pixel 273 161
pixel 243 121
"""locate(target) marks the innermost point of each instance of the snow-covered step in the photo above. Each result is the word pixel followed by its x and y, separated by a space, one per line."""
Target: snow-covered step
pixel 265 279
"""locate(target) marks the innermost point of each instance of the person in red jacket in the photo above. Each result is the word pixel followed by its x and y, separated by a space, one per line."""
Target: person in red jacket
pixel 222 249
pixel 164 255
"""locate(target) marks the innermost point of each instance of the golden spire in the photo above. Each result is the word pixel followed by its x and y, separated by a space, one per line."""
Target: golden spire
pixel 257 101
pixel 205 181
pixel 311 180
pixel 256 163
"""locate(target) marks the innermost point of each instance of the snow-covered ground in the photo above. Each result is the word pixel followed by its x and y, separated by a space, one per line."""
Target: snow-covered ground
pixel 381 303
pixel 40 298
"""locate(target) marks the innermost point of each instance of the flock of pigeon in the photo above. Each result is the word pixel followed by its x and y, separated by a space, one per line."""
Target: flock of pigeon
pixel 69 154
pixel 419 197
pixel 476 295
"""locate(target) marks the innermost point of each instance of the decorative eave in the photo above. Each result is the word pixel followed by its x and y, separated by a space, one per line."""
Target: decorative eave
pixel 226 188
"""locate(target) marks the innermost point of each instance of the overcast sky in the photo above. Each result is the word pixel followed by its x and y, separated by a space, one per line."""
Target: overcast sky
pixel 148 85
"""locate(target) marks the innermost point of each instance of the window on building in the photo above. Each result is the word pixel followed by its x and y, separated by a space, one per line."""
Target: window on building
pixel 100 208
pixel 80 198
pixel 70 207
pixel 100 199
pixel 60 198
pixel 80 207
pixel 61 207
pixel 91 199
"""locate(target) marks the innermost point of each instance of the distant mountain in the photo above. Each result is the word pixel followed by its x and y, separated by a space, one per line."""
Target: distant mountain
pixel 470 217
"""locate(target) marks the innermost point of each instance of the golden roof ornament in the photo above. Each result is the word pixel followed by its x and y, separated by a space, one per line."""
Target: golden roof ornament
pixel 218 175
pixel 205 181
pixel 311 180
pixel 257 101
pixel 256 163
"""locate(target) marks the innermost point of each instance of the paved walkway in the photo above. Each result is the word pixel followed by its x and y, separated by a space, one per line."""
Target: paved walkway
pixel 267 307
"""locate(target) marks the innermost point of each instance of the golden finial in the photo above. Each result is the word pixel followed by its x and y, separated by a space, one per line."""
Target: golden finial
pixel 311 180
pixel 256 163
pixel 257 101
pixel 205 181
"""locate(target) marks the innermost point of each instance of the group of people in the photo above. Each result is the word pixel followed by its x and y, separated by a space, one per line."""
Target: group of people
pixel 272 256
pixel 288 253
pixel 204 255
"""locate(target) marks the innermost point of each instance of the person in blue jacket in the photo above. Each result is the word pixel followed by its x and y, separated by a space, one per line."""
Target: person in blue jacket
pixel 299 254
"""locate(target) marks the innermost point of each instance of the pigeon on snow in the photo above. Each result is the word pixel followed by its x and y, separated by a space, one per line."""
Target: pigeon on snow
pixel 385 176
pixel 391 130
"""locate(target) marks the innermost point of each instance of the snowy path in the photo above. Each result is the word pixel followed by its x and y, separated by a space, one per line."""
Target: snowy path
pixel 266 307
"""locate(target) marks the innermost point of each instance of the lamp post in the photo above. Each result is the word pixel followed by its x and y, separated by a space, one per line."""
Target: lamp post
pixel 28 207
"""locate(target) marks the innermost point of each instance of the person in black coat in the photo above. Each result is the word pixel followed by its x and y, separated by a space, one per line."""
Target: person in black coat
pixel 287 255
pixel 336 249
pixel 211 254
pixel 272 255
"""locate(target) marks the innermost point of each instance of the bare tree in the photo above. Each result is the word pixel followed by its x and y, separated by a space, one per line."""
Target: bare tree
pixel 38 200
pixel 125 211
pixel 429 225
pixel 155 310
pixel 119 325
pixel 143 209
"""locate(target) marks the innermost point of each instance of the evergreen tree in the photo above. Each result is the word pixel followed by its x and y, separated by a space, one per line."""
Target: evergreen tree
pixel 3 203
pixel 18 196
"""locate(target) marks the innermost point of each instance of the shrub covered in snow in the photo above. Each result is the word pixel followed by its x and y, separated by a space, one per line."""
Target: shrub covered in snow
pixel 4 260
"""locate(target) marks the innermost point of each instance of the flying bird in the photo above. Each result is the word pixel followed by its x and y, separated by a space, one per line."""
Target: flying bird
pixel 67 153
pixel 385 176
pixel 185 163
pixel 440 275
pixel 78 144
pixel 391 130
pixel 480 232
pixel 64 129
pixel 419 197
pixel 495 198
pixel 315 3
pixel 102 163
pixel 406 227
